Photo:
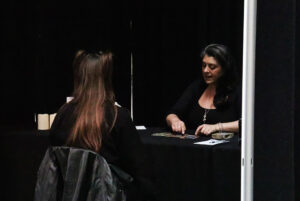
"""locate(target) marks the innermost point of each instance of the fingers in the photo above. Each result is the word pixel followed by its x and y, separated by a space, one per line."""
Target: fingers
pixel 179 127
pixel 183 128
pixel 198 130
pixel 205 129
pixel 175 127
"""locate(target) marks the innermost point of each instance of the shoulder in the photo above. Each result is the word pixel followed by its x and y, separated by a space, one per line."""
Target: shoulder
pixel 196 86
pixel 65 109
pixel 123 116
pixel 123 124
pixel 123 112
pixel 66 113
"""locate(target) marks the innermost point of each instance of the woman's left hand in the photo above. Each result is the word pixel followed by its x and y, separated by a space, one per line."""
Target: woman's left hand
pixel 206 129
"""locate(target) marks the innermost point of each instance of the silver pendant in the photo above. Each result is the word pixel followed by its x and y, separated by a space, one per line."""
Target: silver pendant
pixel 205 114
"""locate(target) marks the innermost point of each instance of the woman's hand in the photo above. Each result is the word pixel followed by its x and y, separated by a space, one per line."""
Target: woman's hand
pixel 178 126
pixel 207 129
pixel 175 123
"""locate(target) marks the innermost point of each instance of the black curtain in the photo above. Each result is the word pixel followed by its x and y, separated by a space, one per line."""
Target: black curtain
pixel 91 25
pixel 40 40
pixel 18 49
pixel 297 106
pixel 168 38
pixel 275 101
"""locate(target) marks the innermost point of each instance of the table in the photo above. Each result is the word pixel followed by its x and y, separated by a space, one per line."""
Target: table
pixel 183 171
pixel 21 153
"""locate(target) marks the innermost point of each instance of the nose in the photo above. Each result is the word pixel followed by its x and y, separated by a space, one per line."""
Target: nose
pixel 206 69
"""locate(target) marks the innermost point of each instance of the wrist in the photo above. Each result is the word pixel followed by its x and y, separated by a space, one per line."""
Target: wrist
pixel 217 128
pixel 220 127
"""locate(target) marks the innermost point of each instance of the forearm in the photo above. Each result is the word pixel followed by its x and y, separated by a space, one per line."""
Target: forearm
pixel 228 126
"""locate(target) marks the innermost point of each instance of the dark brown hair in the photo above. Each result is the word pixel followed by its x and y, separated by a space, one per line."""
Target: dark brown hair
pixel 229 79
pixel 93 99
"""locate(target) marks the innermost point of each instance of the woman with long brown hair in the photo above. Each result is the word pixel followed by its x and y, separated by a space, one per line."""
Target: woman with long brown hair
pixel 93 121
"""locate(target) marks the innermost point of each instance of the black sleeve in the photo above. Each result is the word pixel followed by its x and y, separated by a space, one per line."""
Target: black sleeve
pixel 60 128
pixel 237 105
pixel 133 155
pixel 192 93
pixel 238 101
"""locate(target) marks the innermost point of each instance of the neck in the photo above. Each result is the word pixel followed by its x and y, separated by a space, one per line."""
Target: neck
pixel 211 88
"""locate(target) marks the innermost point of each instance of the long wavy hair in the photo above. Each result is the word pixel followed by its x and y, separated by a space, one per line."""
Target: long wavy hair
pixel 229 79
pixel 94 99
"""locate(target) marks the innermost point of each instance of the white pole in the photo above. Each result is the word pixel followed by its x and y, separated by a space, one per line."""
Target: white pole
pixel 131 83
pixel 131 76
pixel 249 42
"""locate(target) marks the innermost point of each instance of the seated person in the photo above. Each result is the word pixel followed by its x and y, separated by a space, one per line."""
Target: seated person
pixel 93 121
pixel 212 103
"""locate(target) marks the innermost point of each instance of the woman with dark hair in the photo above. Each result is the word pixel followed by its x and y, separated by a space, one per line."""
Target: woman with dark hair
pixel 212 103
pixel 93 121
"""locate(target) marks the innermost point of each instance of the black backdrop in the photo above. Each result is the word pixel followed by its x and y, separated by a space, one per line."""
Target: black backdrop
pixel 275 101
pixel 168 37
pixel 297 105
pixel 39 39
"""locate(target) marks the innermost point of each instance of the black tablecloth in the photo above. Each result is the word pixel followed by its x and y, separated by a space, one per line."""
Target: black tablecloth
pixel 183 171
pixel 186 171
pixel 21 153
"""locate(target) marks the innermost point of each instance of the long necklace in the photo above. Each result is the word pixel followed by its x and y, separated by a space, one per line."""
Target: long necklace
pixel 206 111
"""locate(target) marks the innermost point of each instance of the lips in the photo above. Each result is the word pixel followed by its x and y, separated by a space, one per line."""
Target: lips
pixel 207 77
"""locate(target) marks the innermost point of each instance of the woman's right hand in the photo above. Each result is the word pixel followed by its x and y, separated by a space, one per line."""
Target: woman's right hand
pixel 175 123
pixel 178 126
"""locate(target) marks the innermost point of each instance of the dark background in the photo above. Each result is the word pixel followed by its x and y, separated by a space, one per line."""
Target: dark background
pixel 275 102
pixel 297 104
pixel 39 40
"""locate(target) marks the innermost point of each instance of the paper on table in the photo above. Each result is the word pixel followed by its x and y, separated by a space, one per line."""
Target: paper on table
pixel 140 127
pixel 211 142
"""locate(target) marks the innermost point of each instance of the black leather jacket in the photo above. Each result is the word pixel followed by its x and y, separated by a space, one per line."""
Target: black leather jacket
pixel 70 174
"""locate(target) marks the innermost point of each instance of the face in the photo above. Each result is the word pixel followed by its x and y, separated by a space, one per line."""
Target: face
pixel 211 70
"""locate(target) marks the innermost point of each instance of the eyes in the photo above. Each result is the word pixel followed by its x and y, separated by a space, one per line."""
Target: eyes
pixel 210 66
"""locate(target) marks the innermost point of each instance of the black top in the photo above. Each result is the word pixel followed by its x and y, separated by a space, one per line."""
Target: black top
pixel 122 147
pixel 188 109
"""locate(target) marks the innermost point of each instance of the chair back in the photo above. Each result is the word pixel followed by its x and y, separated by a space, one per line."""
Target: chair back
pixel 75 174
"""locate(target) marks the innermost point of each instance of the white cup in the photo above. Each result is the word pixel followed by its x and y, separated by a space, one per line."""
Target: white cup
pixel 43 122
